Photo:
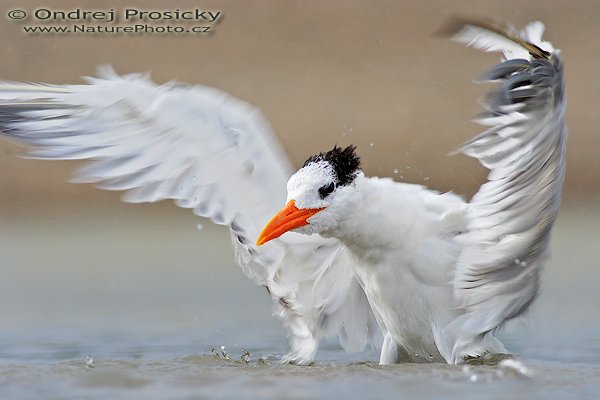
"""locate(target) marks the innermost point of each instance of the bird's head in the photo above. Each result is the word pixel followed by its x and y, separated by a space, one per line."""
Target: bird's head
pixel 318 195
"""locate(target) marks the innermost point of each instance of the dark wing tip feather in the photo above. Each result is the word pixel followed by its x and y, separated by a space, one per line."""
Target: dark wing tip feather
pixel 455 24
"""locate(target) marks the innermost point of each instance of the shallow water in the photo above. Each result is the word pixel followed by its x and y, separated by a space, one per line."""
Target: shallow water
pixel 148 296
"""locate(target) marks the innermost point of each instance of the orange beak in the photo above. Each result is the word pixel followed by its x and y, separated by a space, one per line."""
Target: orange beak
pixel 288 218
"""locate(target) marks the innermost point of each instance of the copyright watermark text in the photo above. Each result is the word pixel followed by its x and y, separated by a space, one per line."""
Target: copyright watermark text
pixel 46 20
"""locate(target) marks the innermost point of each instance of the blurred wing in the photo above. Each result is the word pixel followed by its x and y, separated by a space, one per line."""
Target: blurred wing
pixel 511 216
pixel 321 299
pixel 207 151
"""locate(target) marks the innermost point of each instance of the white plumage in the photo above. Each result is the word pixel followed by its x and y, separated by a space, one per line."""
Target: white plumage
pixel 431 274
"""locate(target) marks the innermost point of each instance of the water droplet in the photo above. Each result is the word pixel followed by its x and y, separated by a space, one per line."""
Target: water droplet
pixel 396 170
pixel 262 360
pixel 371 144
pixel 89 362
pixel 517 261
pixel 200 227
pixel 523 264
pixel 224 353
pixel 514 365
pixel 245 357
pixel 426 178
pixel 473 378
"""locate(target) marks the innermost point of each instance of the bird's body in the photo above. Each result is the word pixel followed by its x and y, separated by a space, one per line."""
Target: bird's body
pixel 426 275
pixel 402 244
pixel 405 260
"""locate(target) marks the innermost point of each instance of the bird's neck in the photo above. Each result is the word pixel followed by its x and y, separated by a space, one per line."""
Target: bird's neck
pixel 368 225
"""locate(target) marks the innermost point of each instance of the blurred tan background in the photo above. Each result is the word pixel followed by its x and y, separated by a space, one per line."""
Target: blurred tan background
pixel 367 73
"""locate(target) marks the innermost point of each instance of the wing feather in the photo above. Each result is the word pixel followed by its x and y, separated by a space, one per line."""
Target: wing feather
pixel 511 216
pixel 208 152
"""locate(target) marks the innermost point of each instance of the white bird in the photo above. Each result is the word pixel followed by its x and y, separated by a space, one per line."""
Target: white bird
pixel 433 275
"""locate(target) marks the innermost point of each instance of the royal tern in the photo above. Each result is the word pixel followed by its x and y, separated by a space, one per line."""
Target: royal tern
pixel 364 259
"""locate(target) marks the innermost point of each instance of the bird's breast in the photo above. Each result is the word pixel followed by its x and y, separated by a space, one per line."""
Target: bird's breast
pixel 401 303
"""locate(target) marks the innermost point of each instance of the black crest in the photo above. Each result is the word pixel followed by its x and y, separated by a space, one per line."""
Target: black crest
pixel 344 161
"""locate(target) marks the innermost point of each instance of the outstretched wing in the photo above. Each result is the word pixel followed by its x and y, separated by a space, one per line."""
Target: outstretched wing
pixel 208 152
pixel 511 216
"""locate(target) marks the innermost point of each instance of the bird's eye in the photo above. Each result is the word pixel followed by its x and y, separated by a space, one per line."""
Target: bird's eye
pixel 326 190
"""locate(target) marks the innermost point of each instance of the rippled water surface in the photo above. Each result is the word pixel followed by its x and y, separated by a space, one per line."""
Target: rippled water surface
pixel 131 306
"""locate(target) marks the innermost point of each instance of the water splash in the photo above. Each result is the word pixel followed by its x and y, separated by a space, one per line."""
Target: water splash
pixel 515 365
pixel 263 360
pixel 245 357
pixel 89 362
pixel 224 353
